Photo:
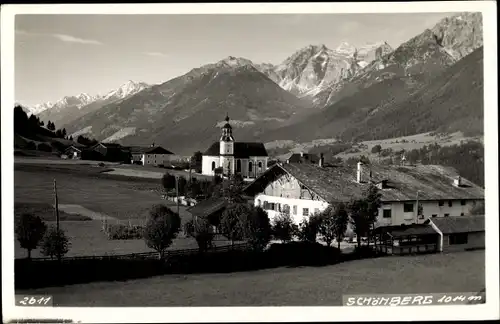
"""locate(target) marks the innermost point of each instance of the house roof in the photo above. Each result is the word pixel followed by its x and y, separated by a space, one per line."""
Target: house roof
pixel 242 150
pixel 298 158
pixel 111 145
pixel 459 224
pixel 207 207
pixel 406 230
pixel 77 148
pixel 149 150
pixel 338 183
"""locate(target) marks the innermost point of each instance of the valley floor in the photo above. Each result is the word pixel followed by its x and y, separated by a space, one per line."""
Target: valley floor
pixel 304 286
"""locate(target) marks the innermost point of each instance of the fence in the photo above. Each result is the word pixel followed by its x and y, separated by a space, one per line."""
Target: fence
pixel 407 249
pixel 151 255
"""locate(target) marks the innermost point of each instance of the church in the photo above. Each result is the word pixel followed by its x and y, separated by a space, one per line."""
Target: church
pixel 249 159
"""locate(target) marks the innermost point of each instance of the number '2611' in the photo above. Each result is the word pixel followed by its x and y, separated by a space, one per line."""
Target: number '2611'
pixel 34 300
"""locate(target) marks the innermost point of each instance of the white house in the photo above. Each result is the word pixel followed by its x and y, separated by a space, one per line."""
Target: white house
pixel 153 155
pixel 302 189
pixel 246 158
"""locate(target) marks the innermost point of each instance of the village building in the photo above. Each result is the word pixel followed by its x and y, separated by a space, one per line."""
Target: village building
pixel 74 151
pixel 153 155
pixel 249 159
pixel 459 233
pixel 303 189
pixel 300 158
pixel 111 152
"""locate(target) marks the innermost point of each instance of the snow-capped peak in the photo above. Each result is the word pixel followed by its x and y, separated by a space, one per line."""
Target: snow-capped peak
pixel 128 88
pixel 346 49
pixel 235 61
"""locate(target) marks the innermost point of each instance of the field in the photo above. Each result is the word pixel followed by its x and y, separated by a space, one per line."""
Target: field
pixel 84 193
pixel 396 144
pixel 307 286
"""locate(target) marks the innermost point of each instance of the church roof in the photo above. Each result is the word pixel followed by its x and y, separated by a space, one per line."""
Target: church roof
pixel 242 150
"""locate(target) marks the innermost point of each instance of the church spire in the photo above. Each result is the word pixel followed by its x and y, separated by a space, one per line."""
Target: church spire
pixel 227 131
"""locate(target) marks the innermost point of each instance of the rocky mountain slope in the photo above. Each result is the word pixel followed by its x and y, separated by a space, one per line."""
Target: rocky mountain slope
pixel 424 56
pixel 311 69
pixel 71 108
pixel 451 101
pixel 182 114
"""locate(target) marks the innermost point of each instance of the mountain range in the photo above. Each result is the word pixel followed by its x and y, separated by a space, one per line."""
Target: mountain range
pixel 70 108
pixel 433 81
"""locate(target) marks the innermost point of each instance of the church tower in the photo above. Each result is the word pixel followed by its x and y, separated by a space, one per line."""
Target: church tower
pixel 227 148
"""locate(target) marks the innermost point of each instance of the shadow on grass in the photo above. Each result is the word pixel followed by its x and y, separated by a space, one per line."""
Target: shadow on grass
pixel 36 274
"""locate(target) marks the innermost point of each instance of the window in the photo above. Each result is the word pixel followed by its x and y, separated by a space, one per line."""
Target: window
pixel 229 165
pixel 462 214
pixel 408 208
pixel 286 209
pixel 459 238
pixel 278 207
pixel 260 165
pixel 272 206
pixel 462 202
pixel 441 203
pixel 238 165
pixel 213 165
pixel 305 211
pixel 258 202
pixel 434 215
pixel 295 210
pixel 265 205
pixel 446 215
pixel 387 213
pixel 450 203
pixel 250 167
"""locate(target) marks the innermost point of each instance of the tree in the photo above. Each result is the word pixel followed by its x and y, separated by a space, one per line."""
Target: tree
pixel 326 225
pixel 194 188
pixel 70 138
pixel 363 212
pixel 196 161
pixel 182 186
pixel 478 209
pixel 377 149
pixel 30 230
pixel 63 133
pixel 161 228
pixel 51 126
pixel 308 229
pixel 230 224
pixel 201 231
pixel 55 243
pixel 59 133
pixel 283 228
pixel 42 123
pixel 255 227
pixel 340 221
pixel 231 189
pixel 167 181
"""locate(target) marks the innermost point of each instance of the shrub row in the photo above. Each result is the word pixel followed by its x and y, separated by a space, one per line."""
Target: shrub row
pixel 124 232
pixel 35 274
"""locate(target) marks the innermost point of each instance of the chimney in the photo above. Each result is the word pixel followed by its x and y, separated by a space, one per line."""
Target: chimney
pixel 457 182
pixel 360 170
pixel 153 144
pixel 301 154
pixel 321 160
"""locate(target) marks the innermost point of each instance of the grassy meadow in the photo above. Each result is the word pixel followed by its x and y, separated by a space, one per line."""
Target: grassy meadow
pixel 304 286
pixel 121 199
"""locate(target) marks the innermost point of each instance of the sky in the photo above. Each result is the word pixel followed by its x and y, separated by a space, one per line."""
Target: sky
pixel 63 55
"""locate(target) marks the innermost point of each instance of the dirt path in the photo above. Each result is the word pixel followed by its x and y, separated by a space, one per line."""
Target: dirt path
pixel 77 209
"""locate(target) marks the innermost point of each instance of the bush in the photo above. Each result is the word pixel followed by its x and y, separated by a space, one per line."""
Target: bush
pixel 30 146
pixel 124 232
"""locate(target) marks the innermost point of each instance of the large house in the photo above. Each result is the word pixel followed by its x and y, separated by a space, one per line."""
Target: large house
pixel 302 189
pixel 153 155
pixel 111 152
pixel 74 151
pixel 248 159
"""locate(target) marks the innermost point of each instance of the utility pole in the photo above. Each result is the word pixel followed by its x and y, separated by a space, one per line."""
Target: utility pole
pixel 417 206
pixel 56 209
pixel 56 206
pixel 177 190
